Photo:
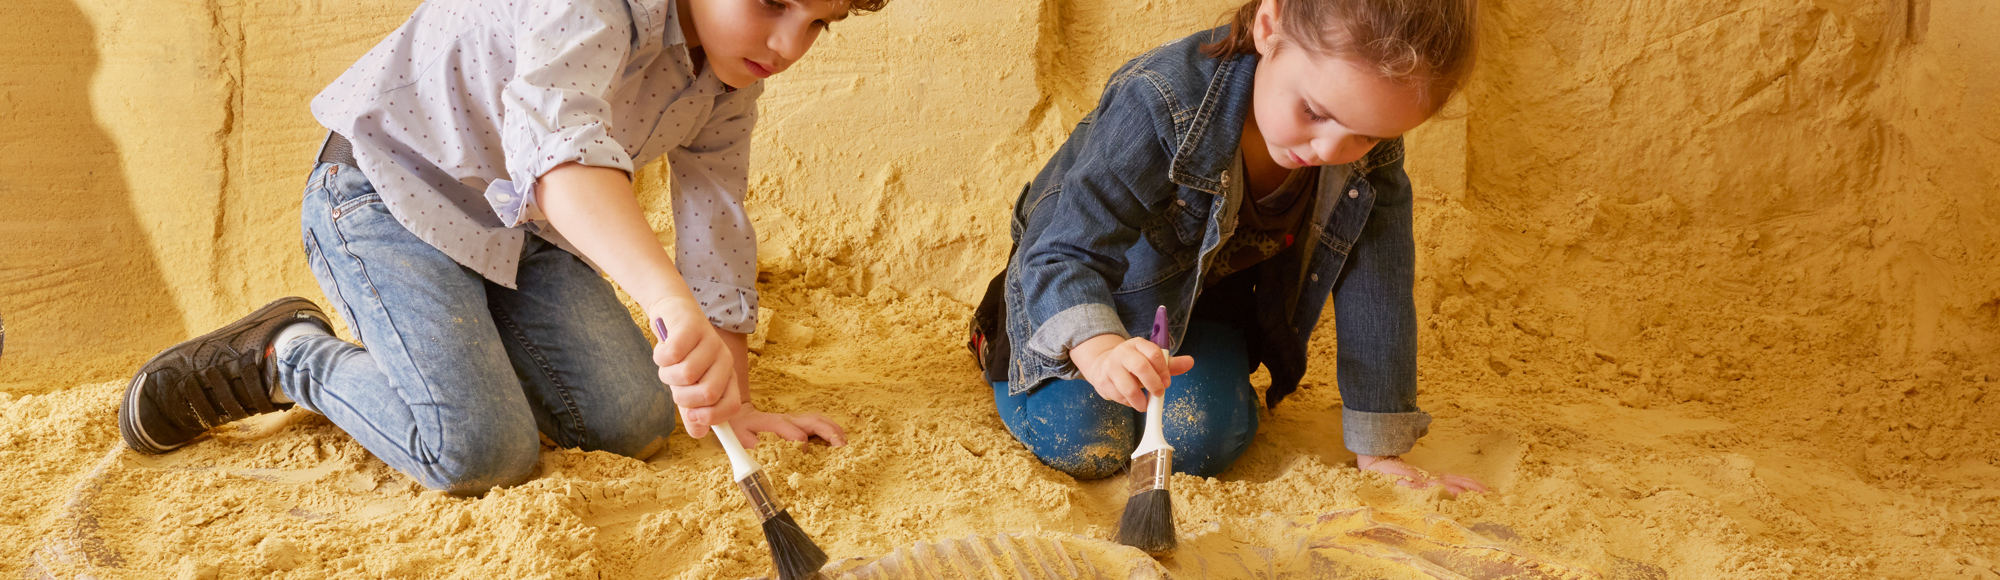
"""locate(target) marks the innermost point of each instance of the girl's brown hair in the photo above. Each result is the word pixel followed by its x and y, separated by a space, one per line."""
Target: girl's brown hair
pixel 1429 41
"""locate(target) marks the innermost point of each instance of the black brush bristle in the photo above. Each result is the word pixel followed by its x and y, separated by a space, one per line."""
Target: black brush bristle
pixel 792 551
pixel 1148 523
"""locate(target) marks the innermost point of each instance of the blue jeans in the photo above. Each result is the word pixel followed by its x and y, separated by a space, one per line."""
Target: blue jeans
pixel 1211 414
pixel 459 374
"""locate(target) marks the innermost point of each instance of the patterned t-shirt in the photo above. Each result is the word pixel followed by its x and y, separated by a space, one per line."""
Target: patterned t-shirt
pixel 1267 225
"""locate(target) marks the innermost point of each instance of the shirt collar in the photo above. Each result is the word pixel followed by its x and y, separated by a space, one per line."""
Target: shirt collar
pixel 672 31
pixel 705 82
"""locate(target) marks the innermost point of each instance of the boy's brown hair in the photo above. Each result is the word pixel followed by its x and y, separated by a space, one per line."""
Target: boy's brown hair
pixel 860 6
pixel 1428 41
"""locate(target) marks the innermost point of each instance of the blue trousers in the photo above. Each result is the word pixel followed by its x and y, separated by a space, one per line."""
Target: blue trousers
pixel 460 373
pixel 1211 414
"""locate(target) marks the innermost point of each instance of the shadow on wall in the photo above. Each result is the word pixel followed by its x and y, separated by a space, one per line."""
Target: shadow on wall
pixel 80 289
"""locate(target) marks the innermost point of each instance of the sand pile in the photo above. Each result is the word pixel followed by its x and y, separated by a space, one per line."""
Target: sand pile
pixel 1707 291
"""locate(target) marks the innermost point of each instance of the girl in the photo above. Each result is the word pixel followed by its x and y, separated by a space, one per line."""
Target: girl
pixel 477 173
pixel 1239 177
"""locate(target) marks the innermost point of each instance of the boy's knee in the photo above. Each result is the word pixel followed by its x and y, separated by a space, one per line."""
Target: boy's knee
pixel 640 442
pixel 637 431
pixel 475 471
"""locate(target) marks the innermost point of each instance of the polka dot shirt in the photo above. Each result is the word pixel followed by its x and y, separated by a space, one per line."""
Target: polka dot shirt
pixel 458 112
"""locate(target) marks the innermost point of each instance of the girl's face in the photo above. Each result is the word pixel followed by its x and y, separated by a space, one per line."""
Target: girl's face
pixel 1321 110
pixel 748 40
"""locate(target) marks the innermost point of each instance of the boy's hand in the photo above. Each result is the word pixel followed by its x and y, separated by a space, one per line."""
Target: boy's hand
pixel 1124 370
pixel 1411 477
pixel 792 427
pixel 696 365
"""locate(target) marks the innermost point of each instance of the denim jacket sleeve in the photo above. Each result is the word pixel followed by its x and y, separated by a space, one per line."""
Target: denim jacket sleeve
pixel 1078 233
pixel 1375 316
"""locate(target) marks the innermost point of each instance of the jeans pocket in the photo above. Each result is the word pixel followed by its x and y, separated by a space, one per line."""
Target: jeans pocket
pixel 351 205
pixel 347 189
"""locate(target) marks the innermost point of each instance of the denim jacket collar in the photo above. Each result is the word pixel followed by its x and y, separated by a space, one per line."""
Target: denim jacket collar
pixel 1208 144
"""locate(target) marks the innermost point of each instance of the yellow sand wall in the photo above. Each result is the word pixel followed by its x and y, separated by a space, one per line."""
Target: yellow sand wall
pixel 1766 174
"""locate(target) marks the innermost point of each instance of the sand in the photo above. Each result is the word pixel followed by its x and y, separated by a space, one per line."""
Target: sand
pixel 1707 290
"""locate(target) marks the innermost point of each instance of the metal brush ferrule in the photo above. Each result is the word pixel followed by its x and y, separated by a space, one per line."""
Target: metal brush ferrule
pixel 757 491
pixel 1150 471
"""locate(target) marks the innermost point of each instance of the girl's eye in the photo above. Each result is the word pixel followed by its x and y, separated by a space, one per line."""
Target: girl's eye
pixel 1311 114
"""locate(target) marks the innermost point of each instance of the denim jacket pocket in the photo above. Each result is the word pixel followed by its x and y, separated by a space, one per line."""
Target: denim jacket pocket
pixel 1189 216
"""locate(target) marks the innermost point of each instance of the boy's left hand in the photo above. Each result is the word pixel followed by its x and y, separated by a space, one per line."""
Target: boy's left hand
pixel 791 426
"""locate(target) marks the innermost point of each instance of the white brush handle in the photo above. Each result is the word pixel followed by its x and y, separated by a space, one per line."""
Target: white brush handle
pixel 738 458
pixel 1155 439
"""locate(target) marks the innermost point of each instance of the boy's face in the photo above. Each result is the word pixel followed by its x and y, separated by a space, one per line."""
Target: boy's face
pixel 1321 110
pixel 748 40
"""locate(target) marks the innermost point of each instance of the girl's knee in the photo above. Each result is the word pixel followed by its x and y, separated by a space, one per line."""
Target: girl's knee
pixel 1092 450
pixel 1096 460
pixel 1208 441
pixel 1208 458
pixel 1068 427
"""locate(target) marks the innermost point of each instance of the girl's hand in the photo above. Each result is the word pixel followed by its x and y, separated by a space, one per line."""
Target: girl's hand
pixel 696 365
pixel 1124 370
pixel 1411 477
pixel 791 426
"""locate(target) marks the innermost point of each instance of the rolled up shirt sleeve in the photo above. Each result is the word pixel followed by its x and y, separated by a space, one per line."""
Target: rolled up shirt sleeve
pixel 715 245
pixel 554 110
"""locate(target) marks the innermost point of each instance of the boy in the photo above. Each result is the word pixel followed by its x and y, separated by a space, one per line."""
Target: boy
pixel 476 174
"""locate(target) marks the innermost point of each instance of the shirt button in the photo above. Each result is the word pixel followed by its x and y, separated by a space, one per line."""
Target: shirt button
pixel 1182 202
pixel 1315 277
pixel 504 198
pixel 1353 193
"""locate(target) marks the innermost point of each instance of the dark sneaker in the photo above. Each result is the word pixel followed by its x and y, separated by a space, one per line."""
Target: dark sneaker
pixel 220 377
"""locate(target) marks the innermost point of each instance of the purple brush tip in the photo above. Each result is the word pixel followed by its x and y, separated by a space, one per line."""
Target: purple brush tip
pixel 660 329
pixel 1160 327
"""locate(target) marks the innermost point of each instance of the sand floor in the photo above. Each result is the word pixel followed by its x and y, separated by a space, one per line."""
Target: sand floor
pixel 1751 486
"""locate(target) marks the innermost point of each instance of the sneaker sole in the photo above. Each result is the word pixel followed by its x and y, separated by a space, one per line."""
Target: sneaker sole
pixel 128 426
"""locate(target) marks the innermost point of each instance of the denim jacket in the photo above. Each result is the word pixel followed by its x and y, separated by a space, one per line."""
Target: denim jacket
pixel 1131 210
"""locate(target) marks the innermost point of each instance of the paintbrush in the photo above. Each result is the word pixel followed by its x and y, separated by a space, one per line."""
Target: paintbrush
pixel 1148 522
pixel 793 553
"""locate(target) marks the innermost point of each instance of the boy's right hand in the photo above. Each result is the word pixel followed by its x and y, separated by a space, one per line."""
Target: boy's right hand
pixel 696 365
pixel 1124 370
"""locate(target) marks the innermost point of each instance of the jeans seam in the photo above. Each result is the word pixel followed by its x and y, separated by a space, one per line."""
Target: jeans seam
pixel 314 253
pixel 548 371
pixel 368 284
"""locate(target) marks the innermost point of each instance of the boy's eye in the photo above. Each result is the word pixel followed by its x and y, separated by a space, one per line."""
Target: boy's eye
pixel 774 4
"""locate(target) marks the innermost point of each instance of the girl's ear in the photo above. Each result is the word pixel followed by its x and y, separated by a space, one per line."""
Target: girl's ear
pixel 1264 28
